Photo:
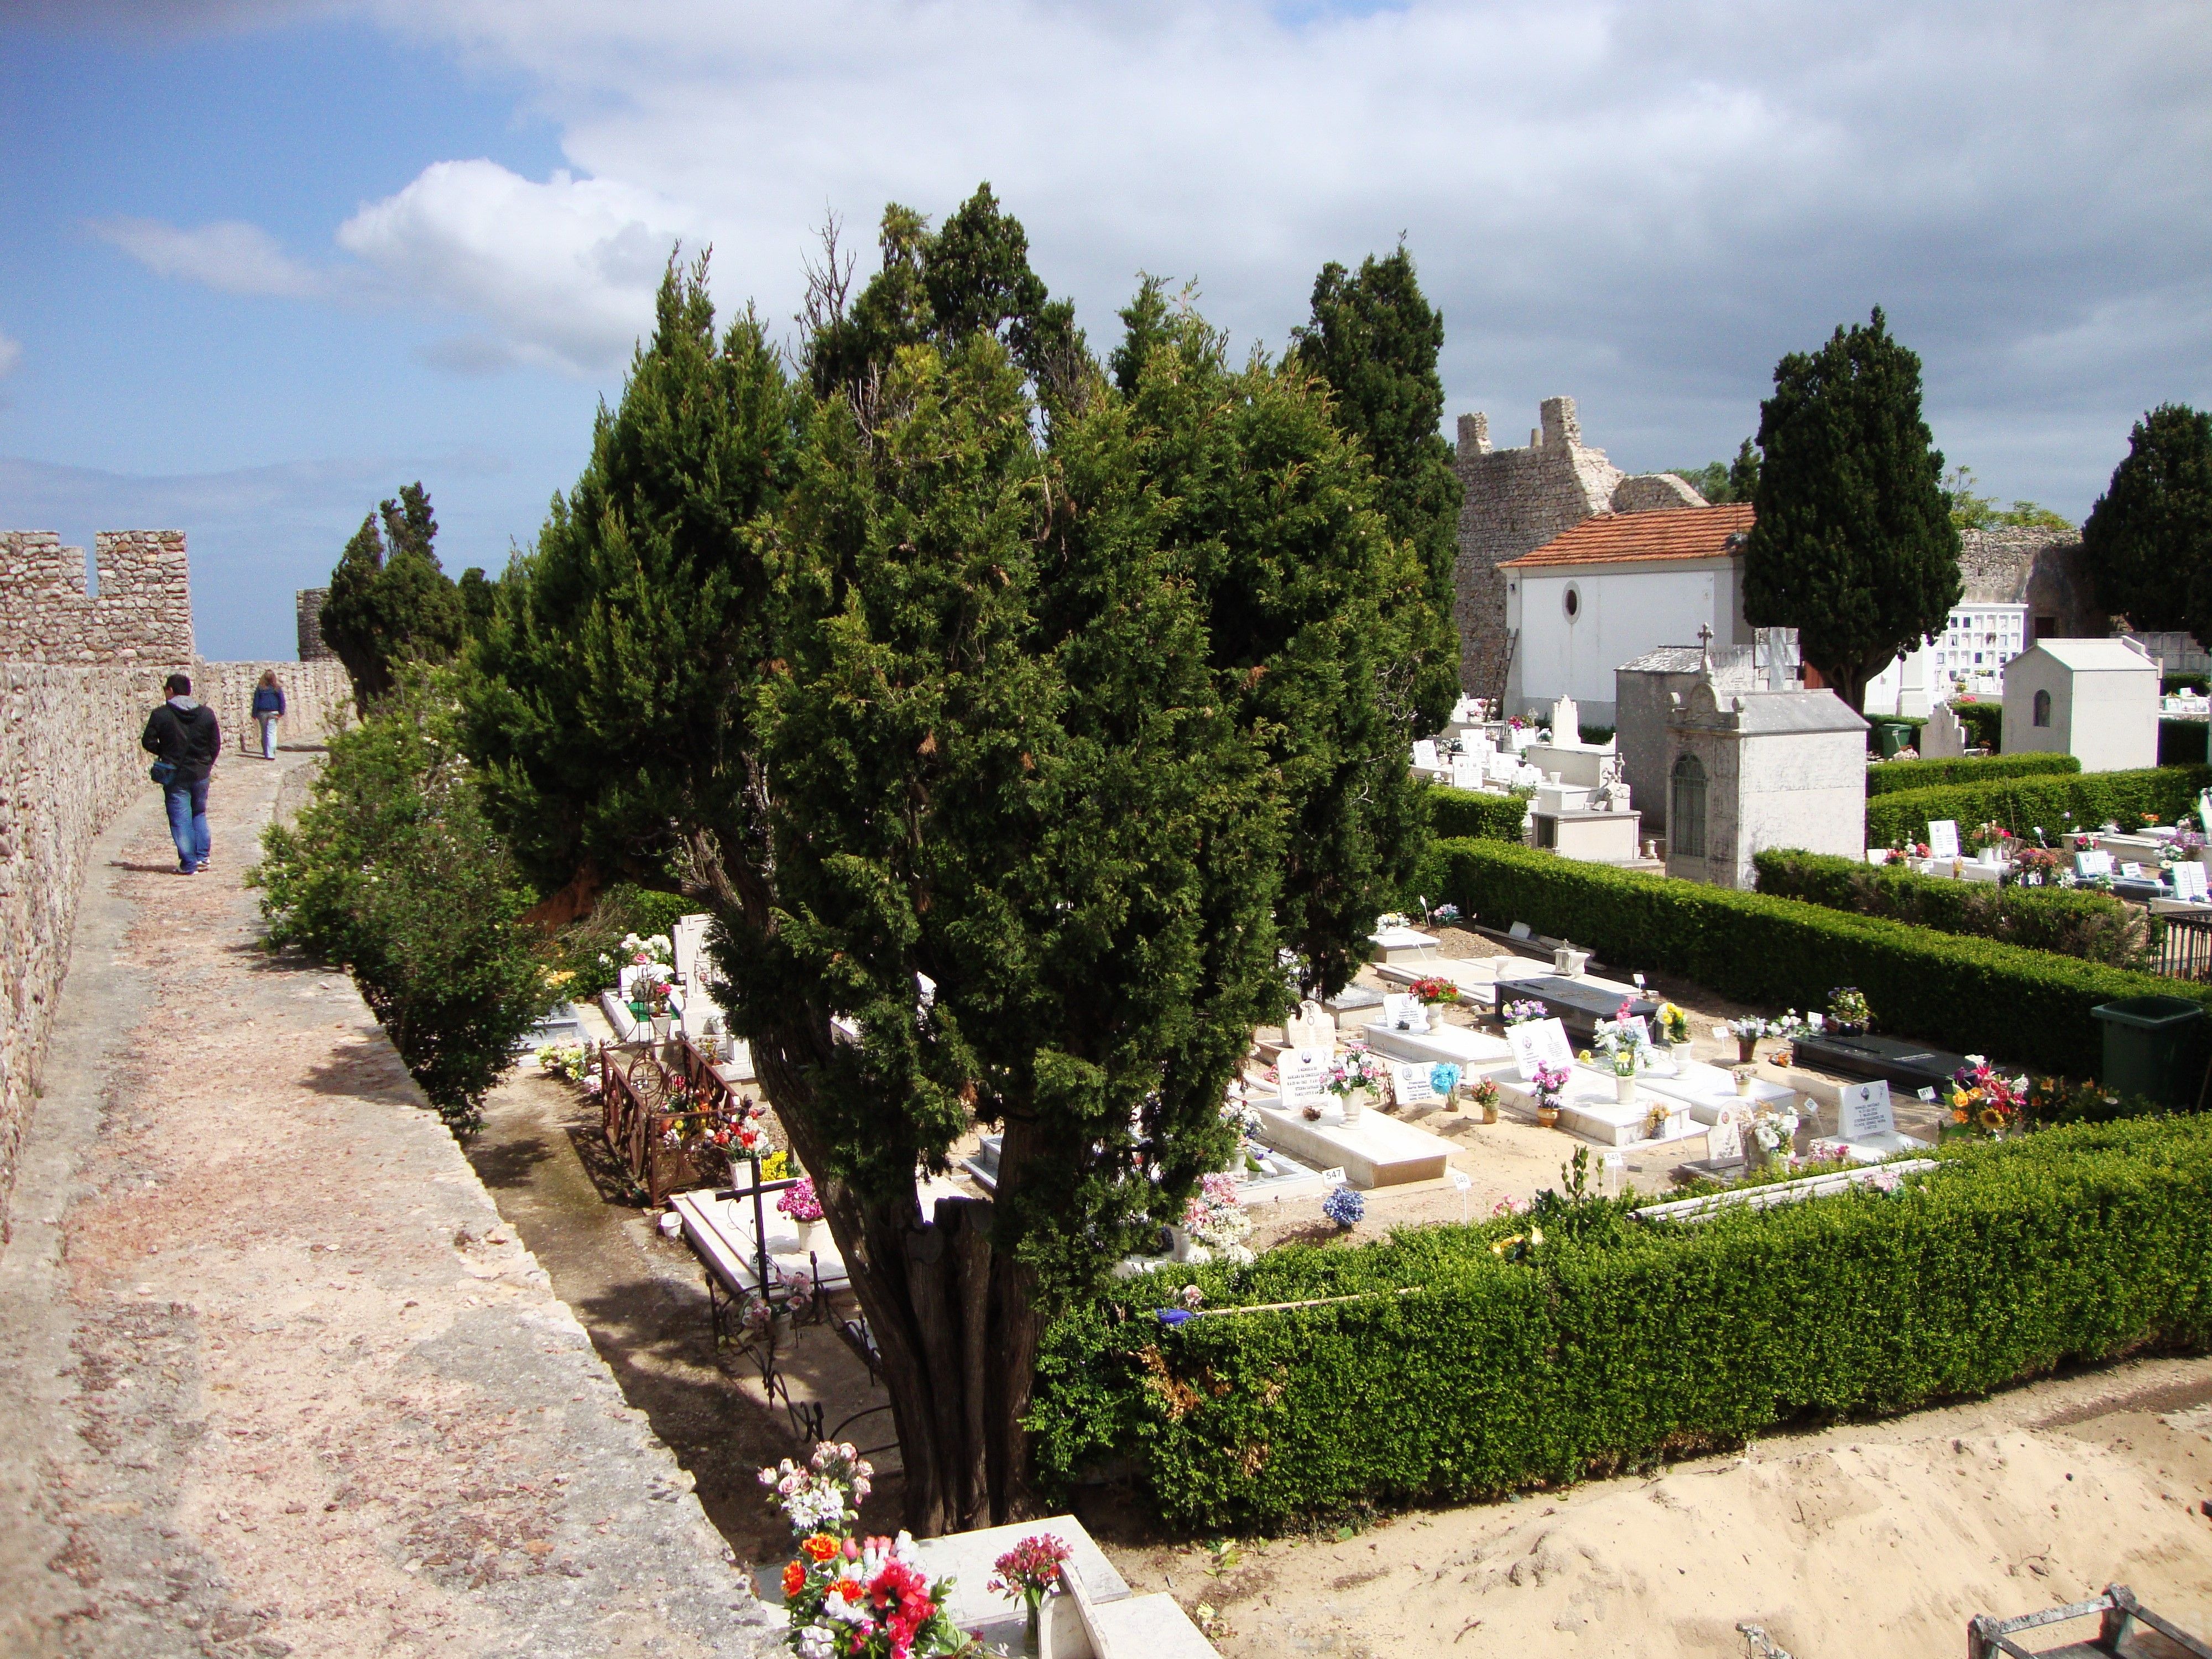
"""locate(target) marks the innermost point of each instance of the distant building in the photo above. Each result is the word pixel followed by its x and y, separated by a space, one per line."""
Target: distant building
pixel 2096 700
pixel 1752 770
pixel 309 604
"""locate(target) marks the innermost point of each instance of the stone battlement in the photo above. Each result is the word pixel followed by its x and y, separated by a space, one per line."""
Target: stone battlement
pixel 143 613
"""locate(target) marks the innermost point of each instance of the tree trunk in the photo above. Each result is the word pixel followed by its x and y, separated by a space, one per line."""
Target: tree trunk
pixel 954 1320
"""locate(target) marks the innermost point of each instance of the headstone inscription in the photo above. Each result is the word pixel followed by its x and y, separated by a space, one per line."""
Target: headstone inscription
pixel 1942 838
pixel 1410 1083
pixel 1864 1110
pixel 1467 772
pixel 2095 863
pixel 1312 1027
pixel 1302 1075
pixel 2189 881
pixel 1724 1142
pixel 1404 1012
pixel 2132 870
pixel 1539 1042
pixel 1425 754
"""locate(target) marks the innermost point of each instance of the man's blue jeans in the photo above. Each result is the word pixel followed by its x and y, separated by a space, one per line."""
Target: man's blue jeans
pixel 188 824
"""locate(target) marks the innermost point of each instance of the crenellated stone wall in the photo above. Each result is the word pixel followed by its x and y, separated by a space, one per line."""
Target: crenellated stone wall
pixel 79 676
pixel 307 606
pixel 1513 501
pixel 142 614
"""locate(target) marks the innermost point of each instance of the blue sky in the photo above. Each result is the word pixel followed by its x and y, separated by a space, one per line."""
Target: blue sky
pixel 261 263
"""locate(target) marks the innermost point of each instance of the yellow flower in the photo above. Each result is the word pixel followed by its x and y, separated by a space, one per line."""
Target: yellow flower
pixel 1992 1118
pixel 1500 1246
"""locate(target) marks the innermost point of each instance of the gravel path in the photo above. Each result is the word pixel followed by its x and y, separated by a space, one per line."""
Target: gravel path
pixel 280 1379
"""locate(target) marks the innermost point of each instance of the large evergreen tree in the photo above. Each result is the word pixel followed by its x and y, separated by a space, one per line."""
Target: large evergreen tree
pixel 1373 338
pixel 390 599
pixel 1029 737
pixel 1853 545
pixel 2149 539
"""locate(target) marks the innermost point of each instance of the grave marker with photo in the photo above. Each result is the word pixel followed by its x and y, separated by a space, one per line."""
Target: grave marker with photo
pixel 1539 1042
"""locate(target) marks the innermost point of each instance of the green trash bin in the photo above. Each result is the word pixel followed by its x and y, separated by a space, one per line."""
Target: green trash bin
pixel 2151 1048
pixel 1890 735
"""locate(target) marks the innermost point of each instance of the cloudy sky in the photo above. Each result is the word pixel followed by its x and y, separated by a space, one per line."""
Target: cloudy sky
pixel 262 262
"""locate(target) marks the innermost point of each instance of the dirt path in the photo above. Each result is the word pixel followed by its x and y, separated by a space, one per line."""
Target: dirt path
pixel 279 1378
pixel 1876 1539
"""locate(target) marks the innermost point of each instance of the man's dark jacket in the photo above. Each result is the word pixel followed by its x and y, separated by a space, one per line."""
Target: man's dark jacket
pixel 189 740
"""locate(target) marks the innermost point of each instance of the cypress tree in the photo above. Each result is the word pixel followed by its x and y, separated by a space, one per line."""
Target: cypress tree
pixel 390 599
pixel 1853 545
pixel 2149 539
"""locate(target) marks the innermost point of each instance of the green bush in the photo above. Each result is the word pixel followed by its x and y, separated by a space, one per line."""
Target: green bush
pixel 2181 742
pixel 590 947
pixel 1467 812
pixel 2073 922
pixel 1985 724
pixel 394 873
pixel 1969 995
pixel 2054 804
pixel 1456 1374
pixel 1874 722
pixel 1890 777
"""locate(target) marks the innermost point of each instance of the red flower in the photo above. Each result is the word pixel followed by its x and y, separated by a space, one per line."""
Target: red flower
pixel 794 1579
pixel 821 1547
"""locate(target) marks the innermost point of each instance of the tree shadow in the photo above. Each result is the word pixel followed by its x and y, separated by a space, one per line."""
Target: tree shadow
pixel 167 869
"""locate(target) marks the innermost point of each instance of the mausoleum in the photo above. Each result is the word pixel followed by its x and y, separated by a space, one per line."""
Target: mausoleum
pixel 1749 770
pixel 2093 699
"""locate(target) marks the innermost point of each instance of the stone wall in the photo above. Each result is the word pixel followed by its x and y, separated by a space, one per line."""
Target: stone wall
pixel 308 605
pixel 1513 501
pixel 142 614
pixel 2043 570
pixel 315 693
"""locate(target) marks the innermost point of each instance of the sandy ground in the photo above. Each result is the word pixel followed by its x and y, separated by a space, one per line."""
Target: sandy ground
pixel 1881 1539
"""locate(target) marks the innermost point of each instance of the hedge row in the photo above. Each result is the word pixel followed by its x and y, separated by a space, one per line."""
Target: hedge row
pixel 2054 804
pixel 1888 777
pixel 1985 724
pixel 1458 1374
pixel 1474 813
pixel 1969 995
pixel 2182 742
pixel 2073 922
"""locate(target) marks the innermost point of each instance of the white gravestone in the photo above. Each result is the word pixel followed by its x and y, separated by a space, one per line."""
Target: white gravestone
pixel 1943 738
pixel 1302 1075
pixel 1864 1111
pixel 1466 772
pixel 1404 1012
pixel 1724 1142
pixel 1425 755
pixel 2132 870
pixel 2098 863
pixel 1566 722
pixel 1539 1042
pixel 1411 1084
pixel 2189 881
pixel 1312 1027
pixel 1499 769
pixel 1943 838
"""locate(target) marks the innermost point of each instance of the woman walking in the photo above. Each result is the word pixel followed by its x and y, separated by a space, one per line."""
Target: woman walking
pixel 269 709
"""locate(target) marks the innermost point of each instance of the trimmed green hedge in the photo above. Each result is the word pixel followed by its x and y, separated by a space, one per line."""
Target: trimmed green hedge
pixel 2182 742
pixel 1456 1374
pixel 2072 921
pixel 2023 804
pixel 1985 724
pixel 1969 995
pixel 1888 777
pixel 1467 812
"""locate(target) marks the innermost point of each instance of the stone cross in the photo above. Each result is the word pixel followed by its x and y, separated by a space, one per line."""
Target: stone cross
pixel 1705 647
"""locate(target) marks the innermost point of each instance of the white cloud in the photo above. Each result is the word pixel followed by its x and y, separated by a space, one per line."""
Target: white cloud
pixel 11 352
pixel 563 272
pixel 229 255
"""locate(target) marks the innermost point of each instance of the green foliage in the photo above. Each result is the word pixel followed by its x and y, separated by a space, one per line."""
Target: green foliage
pixel 622 909
pixel 2147 540
pixel 1477 814
pixel 1888 777
pixel 1971 512
pixel 1969 995
pixel 2052 803
pixel 1983 724
pixel 2072 923
pixel 1373 338
pixel 1721 482
pixel 1452 1372
pixel 1854 545
pixel 479 602
pixel 2182 742
pixel 393 872
pixel 390 601
pixel 613 689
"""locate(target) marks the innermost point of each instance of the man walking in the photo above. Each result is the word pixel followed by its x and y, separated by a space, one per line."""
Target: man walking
pixel 183 738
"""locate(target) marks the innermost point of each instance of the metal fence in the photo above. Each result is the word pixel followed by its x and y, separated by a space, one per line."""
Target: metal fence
pixel 2184 946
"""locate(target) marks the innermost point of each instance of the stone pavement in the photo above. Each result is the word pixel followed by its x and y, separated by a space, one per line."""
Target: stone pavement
pixel 277 1378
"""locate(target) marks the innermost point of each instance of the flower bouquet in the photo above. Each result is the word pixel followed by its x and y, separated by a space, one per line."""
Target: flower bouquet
pixel 1215 1223
pixel 1674 1026
pixel 1847 1012
pixel 1521 1013
pixel 1433 991
pixel 849 1597
pixel 804 1206
pixel 1775 1134
pixel 1484 1098
pixel 1032 1569
pixel 1550 1082
pixel 1747 1031
pixel 1352 1076
pixel 1345 1206
pixel 1985 1102
pixel 1443 1080
pixel 567 1060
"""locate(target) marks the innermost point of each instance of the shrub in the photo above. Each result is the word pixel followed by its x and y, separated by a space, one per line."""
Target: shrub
pixel 1985 724
pixel 2073 922
pixel 1876 720
pixel 2053 804
pixel 1457 812
pixel 1971 995
pixel 1458 1371
pixel 1889 777
pixel 393 872
pixel 622 909
pixel 2181 742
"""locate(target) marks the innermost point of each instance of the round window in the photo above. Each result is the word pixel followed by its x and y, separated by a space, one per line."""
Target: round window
pixel 1574 601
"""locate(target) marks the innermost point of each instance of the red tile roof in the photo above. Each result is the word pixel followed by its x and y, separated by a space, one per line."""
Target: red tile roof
pixel 1673 533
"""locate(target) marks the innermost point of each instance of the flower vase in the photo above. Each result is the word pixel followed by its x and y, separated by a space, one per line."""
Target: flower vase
pixel 1033 1624
pixel 1747 1050
pixel 1490 1111
pixel 810 1237
pixel 1624 1088
pixel 1743 1082
pixel 1547 1112
pixel 1355 1102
